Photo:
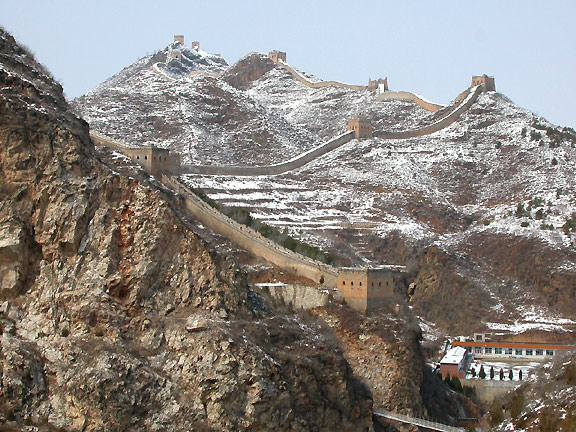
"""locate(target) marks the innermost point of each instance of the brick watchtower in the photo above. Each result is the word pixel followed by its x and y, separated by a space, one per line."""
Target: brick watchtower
pixel 362 127
pixel 487 82
pixel 154 160
pixel 179 38
pixel 276 56
pixel 366 289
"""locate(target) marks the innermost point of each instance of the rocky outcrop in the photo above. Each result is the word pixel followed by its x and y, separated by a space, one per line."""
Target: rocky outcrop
pixel 248 69
pixel 384 350
pixel 116 316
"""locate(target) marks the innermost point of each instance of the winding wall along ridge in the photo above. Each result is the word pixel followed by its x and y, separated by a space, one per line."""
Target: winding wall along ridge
pixel 320 84
pixel 251 240
pixel 333 144
pixel 440 124
pixel 388 95
pixel 244 236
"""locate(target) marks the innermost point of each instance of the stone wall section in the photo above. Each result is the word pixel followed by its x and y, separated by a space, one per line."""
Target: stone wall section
pixel 410 97
pixel 321 84
pixel 153 159
pixel 251 240
pixel 488 390
pixel 301 296
pixel 443 123
pixel 280 168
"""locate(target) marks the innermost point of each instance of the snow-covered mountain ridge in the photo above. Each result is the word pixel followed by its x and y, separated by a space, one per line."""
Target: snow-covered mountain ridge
pixel 480 211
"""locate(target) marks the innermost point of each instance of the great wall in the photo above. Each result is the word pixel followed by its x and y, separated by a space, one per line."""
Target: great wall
pixel 164 166
pixel 298 162
pixel 279 58
pixel 251 240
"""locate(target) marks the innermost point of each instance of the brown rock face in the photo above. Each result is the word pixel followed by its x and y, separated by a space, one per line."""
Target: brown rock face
pixel 115 316
pixel 248 69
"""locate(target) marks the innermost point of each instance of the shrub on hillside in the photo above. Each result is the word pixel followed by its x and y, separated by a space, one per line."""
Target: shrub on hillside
pixel 517 403
pixel 570 226
pixel 243 216
pixel 496 413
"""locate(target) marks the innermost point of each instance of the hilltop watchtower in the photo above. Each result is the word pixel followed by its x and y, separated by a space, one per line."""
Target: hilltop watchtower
pixel 366 289
pixel 154 160
pixel 380 84
pixel 196 45
pixel 487 82
pixel 179 38
pixel 276 56
pixel 362 127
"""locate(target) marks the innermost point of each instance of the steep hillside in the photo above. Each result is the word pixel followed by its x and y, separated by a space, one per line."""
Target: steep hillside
pixel 547 403
pixel 482 212
pixel 116 316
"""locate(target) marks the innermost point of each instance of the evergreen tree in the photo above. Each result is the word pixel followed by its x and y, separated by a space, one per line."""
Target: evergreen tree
pixel 501 374
pixel 520 375
pixel 491 372
pixel 510 375
pixel 456 384
pixel 482 374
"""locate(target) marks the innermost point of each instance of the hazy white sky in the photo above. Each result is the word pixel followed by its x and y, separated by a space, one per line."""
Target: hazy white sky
pixel 429 47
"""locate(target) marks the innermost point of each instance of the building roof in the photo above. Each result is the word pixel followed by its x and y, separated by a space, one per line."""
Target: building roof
pixel 512 345
pixel 454 355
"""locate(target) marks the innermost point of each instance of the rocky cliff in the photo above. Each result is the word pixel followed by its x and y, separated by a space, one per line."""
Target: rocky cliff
pixel 115 316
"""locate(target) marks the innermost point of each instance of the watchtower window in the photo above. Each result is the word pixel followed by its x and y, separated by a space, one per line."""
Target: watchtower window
pixel 379 283
pixel 146 157
pixel 343 282
pixel 137 157
pixel 352 283
pixel 360 283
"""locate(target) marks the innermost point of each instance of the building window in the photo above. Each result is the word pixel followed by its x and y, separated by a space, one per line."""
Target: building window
pixel 508 351
pixel 477 350
pixel 497 350
pixel 518 351
pixel 549 352
pixel 529 352
pixel 488 350
pixel 539 352
pixel 469 349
